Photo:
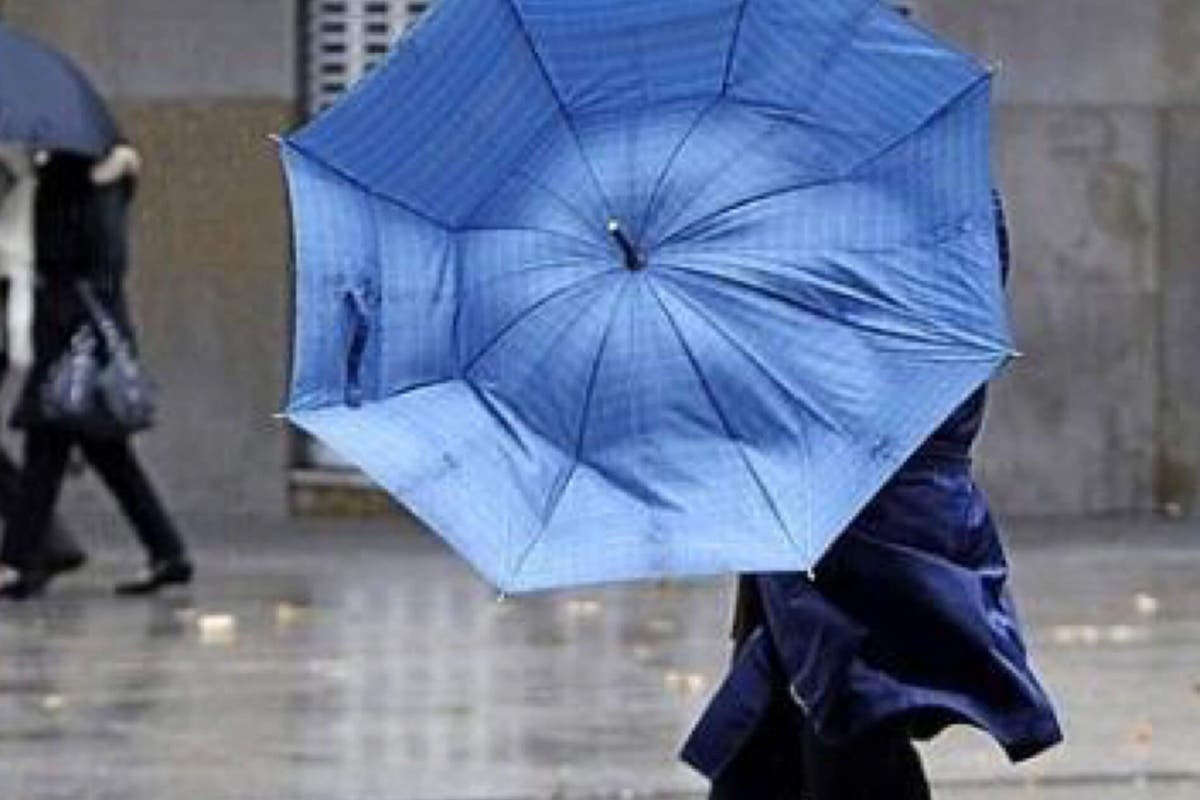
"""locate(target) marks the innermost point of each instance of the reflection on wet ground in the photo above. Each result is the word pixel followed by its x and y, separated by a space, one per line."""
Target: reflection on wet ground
pixel 354 661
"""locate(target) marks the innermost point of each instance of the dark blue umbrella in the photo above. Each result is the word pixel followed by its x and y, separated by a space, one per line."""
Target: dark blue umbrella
pixel 615 289
pixel 46 102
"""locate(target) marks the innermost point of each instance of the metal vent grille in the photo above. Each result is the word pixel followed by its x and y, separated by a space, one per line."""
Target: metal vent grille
pixel 346 38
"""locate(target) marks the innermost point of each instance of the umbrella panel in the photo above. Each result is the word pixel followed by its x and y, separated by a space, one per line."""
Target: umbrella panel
pixel 819 287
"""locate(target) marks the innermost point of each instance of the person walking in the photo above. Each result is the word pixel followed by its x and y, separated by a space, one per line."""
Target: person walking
pixel 904 628
pixel 81 223
pixel 18 186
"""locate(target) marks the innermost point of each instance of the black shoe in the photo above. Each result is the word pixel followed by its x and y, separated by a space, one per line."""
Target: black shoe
pixel 162 573
pixel 60 563
pixel 22 585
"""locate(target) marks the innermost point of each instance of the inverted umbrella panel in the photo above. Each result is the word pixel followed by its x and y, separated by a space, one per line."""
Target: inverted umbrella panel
pixel 614 290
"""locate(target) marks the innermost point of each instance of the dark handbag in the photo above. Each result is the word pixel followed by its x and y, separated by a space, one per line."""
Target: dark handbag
pixel 97 386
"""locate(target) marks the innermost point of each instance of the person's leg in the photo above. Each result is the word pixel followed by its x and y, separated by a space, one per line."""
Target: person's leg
pixel 63 552
pixel 46 453
pixel 771 765
pixel 121 471
pixel 882 764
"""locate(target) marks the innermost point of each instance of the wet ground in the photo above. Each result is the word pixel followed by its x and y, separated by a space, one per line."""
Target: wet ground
pixel 361 662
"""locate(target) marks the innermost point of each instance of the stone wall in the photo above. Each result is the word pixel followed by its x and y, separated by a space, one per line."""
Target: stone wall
pixel 1098 151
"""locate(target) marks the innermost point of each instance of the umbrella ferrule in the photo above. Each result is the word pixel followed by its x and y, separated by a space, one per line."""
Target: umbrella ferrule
pixel 633 261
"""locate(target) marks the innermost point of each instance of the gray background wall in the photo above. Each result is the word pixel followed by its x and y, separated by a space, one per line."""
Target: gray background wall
pixel 1098 149
pixel 198 85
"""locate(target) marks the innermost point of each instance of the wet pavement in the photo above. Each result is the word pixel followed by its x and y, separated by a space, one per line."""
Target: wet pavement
pixel 323 661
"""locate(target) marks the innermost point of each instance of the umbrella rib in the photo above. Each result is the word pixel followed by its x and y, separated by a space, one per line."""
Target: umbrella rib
pixel 856 169
pixel 492 408
pixel 541 266
pixel 938 335
pixel 562 109
pixel 710 395
pixel 572 287
pixel 351 178
pixel 670 162
pixel 826 420
pixel 900 139
pixel 795 303
pixel 703 115
pixel 560 489
pixel 519 229
pixel 734 40
pixel 532 181
pixel 746 201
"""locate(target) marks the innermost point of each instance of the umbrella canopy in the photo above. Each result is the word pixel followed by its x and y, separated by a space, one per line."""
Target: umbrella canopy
pixel 46 102
pixel 618 289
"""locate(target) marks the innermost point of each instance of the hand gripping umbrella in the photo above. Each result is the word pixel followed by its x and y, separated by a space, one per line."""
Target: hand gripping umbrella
pixel 46 102
pixel 620 289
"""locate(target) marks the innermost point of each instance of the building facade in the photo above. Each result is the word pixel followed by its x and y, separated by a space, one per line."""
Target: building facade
pixel 1098 150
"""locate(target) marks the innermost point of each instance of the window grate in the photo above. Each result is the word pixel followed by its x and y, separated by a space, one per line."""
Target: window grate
pixel 347 38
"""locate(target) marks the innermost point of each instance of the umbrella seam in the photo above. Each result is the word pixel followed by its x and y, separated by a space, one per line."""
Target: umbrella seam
pixel 721 417
pixel 982 79
pixel 949 336
pixel 700 118
pixel 560 490
pixel 520 229
pixel 838 49
pixel 558 101
pixel 734 40
pixel 850 173
pixel 358 182
pixel 773 130
pixel 531 180
pixel 811 406
pixel 990 349
pixel 525 314
pixel 647 213
pixel 541 266
pixel 833 424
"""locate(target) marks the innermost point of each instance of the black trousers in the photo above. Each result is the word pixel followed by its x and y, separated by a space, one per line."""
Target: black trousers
pixel 786 760
pixel 60 543
pixel 47 451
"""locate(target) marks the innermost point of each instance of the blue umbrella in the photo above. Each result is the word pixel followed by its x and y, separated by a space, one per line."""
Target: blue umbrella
pixel 620 289
pixel 46 102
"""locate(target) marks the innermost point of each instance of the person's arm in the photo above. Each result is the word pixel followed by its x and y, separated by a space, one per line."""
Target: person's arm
pixel 17 254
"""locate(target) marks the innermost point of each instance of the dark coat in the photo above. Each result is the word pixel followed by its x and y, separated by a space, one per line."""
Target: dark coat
pixel 81 233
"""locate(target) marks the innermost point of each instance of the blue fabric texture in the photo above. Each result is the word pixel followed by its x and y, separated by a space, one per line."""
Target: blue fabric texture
pixel 46 102
pixel 618 289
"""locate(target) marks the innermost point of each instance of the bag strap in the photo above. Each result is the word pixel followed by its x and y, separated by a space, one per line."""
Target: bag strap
pixel 100 318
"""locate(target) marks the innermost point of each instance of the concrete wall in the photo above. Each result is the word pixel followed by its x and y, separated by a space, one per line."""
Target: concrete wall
pixel 1098 149
pixel 198 86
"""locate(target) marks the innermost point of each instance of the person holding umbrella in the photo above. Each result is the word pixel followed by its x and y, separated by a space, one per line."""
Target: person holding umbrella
pixel 904 628
pixel 87 177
